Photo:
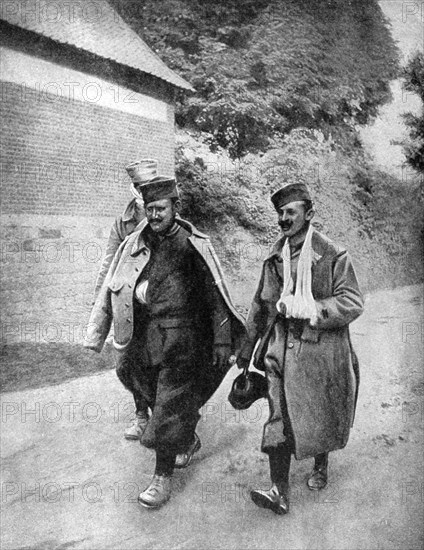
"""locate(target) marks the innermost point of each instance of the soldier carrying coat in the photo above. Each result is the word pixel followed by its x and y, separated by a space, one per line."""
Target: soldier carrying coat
pixel 175 326
pixel 307 296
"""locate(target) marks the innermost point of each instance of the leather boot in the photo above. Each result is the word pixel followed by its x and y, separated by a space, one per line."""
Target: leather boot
pixel 184 459
pixel 135 431
pixel 318 479
pixel 272 499
pixel 157 493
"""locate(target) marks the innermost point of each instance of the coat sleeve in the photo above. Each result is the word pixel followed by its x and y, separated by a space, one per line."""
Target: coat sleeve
pixel 256 322
pixel 346 302
pixel 115 239
pixel 101 315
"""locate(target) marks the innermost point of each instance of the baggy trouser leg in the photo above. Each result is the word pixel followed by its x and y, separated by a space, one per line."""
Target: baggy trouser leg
pixel 175 414
pixel 126 370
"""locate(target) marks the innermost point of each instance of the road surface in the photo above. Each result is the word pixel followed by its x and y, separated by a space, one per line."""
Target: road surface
pixel 70 480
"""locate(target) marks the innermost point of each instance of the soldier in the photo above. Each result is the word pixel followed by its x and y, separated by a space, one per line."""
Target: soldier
pixel 123 226
pixel 174 325
pixel 307 296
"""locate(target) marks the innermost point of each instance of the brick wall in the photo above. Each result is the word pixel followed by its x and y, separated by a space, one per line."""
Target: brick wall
pixel 48 269
pixel 62 184
pixel 60 156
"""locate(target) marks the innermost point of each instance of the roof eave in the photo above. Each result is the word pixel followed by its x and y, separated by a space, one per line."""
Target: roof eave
pixel 183 85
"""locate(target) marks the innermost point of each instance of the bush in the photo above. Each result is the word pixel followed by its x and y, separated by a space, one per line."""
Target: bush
pixel 216 200
pixel 375 216
pixel 414 82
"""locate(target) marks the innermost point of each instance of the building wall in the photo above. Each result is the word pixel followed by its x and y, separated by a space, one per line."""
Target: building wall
pixel 66 140
pixel 48 269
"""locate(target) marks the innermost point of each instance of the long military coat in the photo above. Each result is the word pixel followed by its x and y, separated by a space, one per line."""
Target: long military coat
pixel 321 373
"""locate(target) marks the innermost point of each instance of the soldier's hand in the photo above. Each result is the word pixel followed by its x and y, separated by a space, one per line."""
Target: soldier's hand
pixel 221 354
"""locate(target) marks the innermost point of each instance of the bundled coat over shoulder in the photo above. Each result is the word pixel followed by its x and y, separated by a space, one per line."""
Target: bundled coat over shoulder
pixel 115 297
pixel 321 374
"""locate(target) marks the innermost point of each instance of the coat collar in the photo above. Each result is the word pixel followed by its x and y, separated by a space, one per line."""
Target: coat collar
pixel 138 238
pixel 130 212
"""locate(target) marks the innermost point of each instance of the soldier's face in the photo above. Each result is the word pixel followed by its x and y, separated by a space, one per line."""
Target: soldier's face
pixel 293 218
pixel 161 215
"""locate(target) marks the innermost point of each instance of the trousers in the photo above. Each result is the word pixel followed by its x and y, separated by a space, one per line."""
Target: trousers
pixel 167 382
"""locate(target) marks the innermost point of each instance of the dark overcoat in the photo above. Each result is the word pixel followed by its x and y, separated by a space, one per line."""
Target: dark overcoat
pixel 321 373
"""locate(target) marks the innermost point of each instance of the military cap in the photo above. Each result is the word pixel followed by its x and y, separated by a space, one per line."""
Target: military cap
pixel 289 193
pixel 146 181
pixel 161 187
pixel 142 171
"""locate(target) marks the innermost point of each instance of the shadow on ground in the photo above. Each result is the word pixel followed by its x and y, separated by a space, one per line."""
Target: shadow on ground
pixel 29 365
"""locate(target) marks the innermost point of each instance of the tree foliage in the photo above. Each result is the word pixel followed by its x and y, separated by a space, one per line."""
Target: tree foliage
pixel 264 67
pixel 414 82
pixel 220 198
pixel 288 81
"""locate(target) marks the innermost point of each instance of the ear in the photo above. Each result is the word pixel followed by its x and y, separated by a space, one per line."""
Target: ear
pixel 177 206
pixel 309 214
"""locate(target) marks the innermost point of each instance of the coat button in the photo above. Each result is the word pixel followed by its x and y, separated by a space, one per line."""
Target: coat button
pixel 127 305
pixel 129 285
pixel 137 269
pixel 290 345
pixel 128 320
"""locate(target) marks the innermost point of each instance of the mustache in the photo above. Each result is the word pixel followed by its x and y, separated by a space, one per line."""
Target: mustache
pixel 285 225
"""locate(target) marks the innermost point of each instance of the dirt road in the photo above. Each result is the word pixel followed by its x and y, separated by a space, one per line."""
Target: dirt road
pixel 70 480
